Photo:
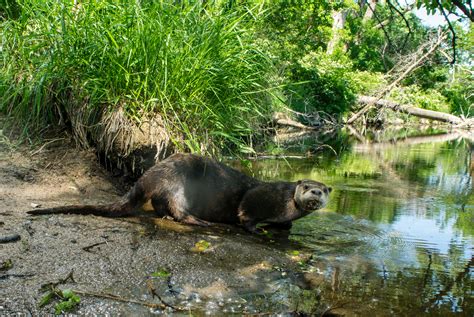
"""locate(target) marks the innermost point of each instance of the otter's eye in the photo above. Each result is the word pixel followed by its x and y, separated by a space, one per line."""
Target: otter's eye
pixel 305 187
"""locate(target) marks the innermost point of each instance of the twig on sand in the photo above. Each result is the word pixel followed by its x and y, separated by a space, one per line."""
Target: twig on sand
pixel 10 238
pixel 89 247
pixel 52 285
pixel 6 276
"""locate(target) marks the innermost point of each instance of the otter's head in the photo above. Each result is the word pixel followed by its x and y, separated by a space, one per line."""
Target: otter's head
pixel 311 195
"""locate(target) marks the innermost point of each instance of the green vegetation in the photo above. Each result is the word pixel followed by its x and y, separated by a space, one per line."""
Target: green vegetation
pixel 212 72
pixel 161 272
pixel 68 300
pixel 201 246
pixel 198 68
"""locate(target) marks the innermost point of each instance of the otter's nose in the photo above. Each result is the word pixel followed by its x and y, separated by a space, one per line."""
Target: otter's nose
pixel 316 192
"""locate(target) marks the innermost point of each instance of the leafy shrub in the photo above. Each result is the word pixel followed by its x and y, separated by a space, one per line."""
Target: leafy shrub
pixel 367 83
pixel 460 96
pixel 323 83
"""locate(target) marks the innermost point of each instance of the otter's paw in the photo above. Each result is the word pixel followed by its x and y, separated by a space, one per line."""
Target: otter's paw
pixel 191 220
pixel 251 227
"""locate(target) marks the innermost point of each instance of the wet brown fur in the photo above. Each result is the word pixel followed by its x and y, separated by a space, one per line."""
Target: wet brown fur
pixel 198 190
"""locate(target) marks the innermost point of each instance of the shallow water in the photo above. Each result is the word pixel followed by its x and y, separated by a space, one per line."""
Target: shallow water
pixel 398 234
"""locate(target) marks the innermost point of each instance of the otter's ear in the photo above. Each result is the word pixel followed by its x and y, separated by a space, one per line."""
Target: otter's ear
pixel 299 182
pixel 329 189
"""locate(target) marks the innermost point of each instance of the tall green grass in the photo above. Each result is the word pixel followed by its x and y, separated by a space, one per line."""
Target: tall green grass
pixel 197 66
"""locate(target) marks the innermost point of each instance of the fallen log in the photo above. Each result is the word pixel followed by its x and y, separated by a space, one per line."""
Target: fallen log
pixel 282 119
pixel 414 111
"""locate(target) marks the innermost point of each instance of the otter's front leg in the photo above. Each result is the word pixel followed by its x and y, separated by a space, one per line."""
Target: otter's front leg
pixel 246 221
pixel 250 226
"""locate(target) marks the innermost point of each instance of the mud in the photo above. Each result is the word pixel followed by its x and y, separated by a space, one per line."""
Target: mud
pixel 239 273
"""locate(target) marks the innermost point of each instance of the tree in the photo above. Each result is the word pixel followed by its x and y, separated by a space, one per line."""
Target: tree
pixel 448 6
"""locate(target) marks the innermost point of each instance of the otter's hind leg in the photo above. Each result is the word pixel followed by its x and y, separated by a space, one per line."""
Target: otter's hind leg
pixel 191 220
pixel 176 208
pixel 160 205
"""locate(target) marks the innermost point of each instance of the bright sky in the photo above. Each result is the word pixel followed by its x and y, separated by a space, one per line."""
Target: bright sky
pixel 430 20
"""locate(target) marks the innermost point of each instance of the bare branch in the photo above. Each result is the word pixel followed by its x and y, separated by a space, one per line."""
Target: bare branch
pixel 453 32
pixel 469 12
pixel 404 19
pixel 381 25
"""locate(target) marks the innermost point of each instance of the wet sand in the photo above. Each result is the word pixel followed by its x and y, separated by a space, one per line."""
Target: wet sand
pixel 118 257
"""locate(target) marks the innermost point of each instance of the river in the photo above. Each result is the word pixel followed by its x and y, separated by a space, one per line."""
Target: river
pixel 398 234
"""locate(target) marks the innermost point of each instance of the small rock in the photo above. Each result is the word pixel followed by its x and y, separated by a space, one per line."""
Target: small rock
pixel 27 226
pixel 28 178
pixel 34 205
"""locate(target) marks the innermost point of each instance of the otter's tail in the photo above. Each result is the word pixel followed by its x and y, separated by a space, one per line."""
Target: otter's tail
pixel 112 210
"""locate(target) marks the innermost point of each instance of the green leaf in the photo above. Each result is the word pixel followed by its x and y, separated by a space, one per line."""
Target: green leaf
pixel 46 299
pixel 67 293
pixel 64 306
pixel 67 305
pixel 7 264
pixel 201 246
pixel 160 273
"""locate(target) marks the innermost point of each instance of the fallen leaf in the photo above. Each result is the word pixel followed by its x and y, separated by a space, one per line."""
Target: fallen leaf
pixel 201 246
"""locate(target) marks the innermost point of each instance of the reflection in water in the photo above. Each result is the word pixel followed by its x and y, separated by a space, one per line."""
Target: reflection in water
pixel 398 234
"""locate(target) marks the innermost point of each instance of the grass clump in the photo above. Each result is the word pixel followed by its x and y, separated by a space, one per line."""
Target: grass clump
pixel 194 65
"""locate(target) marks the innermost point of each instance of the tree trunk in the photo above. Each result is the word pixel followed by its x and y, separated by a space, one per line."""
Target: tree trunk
pixel 369 12
pixel 414 111
pixel 339 20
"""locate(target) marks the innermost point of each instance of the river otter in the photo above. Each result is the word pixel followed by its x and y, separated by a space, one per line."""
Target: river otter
pixel 198 190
